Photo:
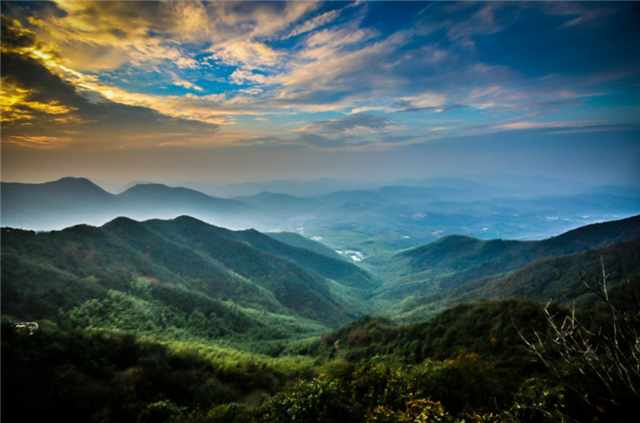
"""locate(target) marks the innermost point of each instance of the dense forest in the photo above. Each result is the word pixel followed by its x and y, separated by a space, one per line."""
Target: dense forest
pixel 178 321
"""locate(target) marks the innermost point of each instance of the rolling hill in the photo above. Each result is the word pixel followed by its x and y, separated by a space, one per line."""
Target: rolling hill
pixel 458 268
pixel 156 275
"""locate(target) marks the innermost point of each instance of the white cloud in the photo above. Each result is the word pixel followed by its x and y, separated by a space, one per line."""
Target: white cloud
pixel 426 100
pixel 246 54
pixel 314 23
pixel 184 83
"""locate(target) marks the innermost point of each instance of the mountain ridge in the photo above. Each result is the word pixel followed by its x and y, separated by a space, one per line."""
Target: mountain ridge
pixel 459 268
pixel 387 217
pixel 159 261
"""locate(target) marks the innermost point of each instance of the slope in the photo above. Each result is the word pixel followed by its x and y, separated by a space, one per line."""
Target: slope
pixel 160 274
pixel 460 268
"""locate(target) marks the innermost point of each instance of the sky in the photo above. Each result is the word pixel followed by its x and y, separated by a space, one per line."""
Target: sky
pixel 176 91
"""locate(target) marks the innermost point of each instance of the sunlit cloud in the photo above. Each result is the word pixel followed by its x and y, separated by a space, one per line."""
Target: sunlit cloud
pixel 314 23
pixel 17 105
pixel 538 125
pixel 39 142
pixel 247 54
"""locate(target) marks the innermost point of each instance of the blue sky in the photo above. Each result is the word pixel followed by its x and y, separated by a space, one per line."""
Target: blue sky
pixel 370 90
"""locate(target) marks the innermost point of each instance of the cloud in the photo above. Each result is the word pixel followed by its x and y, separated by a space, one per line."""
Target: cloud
pixel 579 15
pixel 352 123
pixel 253 20
pixel 347 133
pixel 427 101
pixel 247 54
pixel 339 67
pixel 314 23
pixel 210 63
pixel 540 125
pixel 396 139
pixel 331 60
pixel 184 83
pixel 320 141
pixel 95 36
pixel 33 93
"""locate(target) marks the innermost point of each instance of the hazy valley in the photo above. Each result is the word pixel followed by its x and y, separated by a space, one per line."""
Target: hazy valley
pixel 299 295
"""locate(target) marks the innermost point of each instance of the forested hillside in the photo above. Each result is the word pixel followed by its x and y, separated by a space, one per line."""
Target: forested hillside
pixel 458 268
pixel 180 321
pixel 162 276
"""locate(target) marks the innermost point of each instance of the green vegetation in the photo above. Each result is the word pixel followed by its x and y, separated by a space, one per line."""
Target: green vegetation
pixel 368 371
pixel 456 269
pixel 181 322
pixel 172 268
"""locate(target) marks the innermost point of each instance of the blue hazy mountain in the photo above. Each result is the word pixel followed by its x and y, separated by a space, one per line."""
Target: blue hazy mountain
pixel 57 204
pixel 72 201
pixel 160 201
pixel 366 219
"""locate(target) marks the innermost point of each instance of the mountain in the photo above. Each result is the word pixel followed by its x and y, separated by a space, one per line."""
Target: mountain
pixel 458 268
pixel 491 328
pixel 148 201
pixel 396 217
pixel 154 276
pixel 184 321
pixel 296 187
pixel 462 253
pixel 561 278
pixel 72 201
pixel 277 204
pixel 158 195
pixel 363 217
pixel 300 241
pixel 60 203
pixel 186 261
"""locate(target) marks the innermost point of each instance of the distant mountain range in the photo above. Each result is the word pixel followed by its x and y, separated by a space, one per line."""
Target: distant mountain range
pixel 71 201
pixel 371 220
pixel 493 183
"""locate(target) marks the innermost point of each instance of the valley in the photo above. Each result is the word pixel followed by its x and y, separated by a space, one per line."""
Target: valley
pixel 269 314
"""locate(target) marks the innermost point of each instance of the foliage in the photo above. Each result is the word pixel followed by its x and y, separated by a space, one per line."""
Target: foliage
pixel 489 328
pixel 538 401
pixel 182 323
pixel 118 377
pixel 171 270
pixel 417 410
pixel 160 412
pixel 426 279
pixel 598 360
pixel 319 400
